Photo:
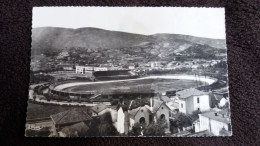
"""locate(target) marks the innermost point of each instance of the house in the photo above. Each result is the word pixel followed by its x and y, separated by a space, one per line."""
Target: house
pixel 191 100
pixel 216 122
pixel 147 114
pixel 141 114
pixel 101 108
pixel 161 111
pixel 68 118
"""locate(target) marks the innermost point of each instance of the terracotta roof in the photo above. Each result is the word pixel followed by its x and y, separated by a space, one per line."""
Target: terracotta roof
pixel 219 117
pixel 156 105
pixel 70 116
pixel 217 97
pixel 99 107
pixel 133 112
pixel 189 92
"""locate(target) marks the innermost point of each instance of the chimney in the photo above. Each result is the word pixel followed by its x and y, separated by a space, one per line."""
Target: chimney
pixel 151 104
pixel 216 114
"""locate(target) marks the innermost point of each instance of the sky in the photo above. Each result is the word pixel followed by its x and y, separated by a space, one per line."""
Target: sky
pixel 201 22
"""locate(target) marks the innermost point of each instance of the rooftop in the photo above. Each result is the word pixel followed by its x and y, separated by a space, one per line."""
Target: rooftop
pixel 217 117
pixel 189 92
pixel 99 107
pixel 70 116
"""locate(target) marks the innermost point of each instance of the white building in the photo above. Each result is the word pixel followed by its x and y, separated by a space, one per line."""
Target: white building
pixel 85 69
pixel 191 100
pixel 215 122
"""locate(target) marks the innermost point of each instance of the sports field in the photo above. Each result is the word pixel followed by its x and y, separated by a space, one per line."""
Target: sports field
pixel 133 86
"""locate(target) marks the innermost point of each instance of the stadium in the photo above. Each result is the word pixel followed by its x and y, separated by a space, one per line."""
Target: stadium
pixel 114 84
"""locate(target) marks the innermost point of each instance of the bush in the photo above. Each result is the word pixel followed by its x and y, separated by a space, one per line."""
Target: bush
pixel 156 129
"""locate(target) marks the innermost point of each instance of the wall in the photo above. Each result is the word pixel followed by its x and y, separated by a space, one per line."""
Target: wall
pixel 163 110
pixel 182 109
pixel 211 125
pixel 144 114
pixel 113 115
pixel 216 126
pixel 190 105
pixel 204 103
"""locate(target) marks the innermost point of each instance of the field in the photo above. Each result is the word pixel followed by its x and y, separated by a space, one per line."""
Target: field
pixel 43 111
pixel 134 86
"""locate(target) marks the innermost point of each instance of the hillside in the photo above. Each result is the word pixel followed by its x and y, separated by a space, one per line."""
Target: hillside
pixel 54 38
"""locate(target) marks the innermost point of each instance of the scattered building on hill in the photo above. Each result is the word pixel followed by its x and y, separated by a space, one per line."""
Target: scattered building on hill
pixel 193 100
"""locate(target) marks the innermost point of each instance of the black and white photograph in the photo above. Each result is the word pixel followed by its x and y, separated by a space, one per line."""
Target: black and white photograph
pixel 128 72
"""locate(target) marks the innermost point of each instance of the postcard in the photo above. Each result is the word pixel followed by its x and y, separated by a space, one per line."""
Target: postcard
pixel 128 71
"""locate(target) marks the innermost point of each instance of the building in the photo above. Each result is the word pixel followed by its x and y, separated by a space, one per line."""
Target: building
pixel 216 122
pixel 142 114
pixel 101 108
pixel 68 118
pixel 193 100
pixel 150 114
pixel 84 69
pixel 161 112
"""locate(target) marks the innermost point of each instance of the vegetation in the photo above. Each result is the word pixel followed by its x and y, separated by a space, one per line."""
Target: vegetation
pixel 102 126
pixel 136 130
pixel 35 79
pixel 156 129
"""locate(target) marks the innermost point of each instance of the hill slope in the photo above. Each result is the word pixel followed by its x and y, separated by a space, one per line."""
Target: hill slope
pixel 52 38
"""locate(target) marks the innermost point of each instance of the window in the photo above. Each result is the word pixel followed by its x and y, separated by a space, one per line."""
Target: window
pixel 181 105
pixel 142 110
pixel 198 100
pixel 198 109
pixel 162 107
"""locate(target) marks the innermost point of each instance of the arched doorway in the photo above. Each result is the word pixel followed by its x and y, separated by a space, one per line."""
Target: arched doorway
pixel 142 120
pixel 162 116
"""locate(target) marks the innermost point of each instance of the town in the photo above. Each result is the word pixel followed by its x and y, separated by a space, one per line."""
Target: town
pixel 110 93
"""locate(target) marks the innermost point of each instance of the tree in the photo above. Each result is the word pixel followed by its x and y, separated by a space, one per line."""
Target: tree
pixel 106 127
pixel 156 129
pixel 102 126
pixel 136 130
pixel 114 102
pixel 183 121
